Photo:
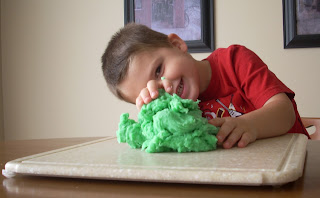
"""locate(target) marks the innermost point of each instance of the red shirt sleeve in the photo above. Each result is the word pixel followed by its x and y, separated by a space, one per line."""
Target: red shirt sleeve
pixel 255 79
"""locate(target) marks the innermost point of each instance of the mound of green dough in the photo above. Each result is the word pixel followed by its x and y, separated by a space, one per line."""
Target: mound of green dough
pixel 167 124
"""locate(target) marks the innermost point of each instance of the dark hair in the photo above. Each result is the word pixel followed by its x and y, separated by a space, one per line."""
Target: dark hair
pixel 124 44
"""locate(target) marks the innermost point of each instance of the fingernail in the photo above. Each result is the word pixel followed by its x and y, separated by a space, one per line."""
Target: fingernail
pixel 139 102
pixel 169 89
pixel 219 138
pixel 147 99
pixel 153 94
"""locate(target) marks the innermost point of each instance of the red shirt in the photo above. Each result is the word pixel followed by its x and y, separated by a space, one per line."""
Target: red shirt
pixel 240 83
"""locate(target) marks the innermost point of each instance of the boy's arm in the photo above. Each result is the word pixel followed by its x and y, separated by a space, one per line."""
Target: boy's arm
pixel 275 118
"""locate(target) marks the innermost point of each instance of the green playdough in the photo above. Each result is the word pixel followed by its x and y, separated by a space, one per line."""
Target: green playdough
pixel 166 124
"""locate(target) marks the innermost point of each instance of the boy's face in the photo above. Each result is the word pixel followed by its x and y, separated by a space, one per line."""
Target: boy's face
pixel 174 63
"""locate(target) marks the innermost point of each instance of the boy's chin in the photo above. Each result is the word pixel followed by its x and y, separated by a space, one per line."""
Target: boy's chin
pixel 193 97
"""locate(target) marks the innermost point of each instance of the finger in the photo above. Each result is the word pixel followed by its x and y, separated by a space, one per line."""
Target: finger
pixel 217 122
pixel 233 138
pixel 245 140
pixel 145 95
pixel 167 85
pixel 139 103
pixel 224 131
pixel 153 87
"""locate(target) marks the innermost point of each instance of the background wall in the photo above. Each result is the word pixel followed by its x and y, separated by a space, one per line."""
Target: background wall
pixel 51 72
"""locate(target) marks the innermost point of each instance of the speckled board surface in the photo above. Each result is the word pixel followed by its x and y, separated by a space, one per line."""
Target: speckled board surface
pixel 272 161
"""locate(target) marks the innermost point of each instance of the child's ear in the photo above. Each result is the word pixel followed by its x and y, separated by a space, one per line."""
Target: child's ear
pixel 176 41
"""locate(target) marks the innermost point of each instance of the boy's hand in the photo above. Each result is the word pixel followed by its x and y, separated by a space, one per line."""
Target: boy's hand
pixel 232 131
pixel 276 117
pixel 151 91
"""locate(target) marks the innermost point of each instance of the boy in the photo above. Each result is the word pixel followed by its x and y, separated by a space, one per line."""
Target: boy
pixel 235 87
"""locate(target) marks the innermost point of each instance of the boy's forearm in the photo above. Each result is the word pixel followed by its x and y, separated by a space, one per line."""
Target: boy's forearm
pixel 275 118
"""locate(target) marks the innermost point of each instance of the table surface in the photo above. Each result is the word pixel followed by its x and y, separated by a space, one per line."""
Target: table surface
pixel 30 186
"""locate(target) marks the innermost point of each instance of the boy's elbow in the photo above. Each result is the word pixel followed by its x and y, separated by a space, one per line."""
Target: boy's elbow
pixel 291 117
pixel 288 112
pixel 292 121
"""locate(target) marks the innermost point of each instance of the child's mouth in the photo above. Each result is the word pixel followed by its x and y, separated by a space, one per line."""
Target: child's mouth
pixel 180 88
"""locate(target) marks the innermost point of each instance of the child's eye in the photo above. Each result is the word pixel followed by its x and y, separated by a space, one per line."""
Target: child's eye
pixel 158 70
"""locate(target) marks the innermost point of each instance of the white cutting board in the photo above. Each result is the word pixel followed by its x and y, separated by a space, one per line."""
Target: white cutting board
pixel 272 161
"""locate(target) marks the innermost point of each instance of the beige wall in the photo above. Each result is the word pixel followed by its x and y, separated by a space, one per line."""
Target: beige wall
pixel 52 80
